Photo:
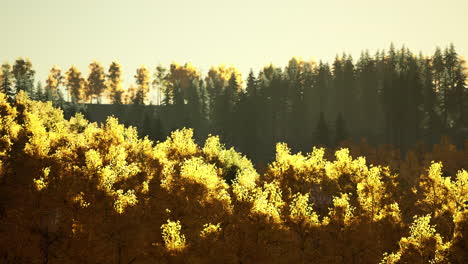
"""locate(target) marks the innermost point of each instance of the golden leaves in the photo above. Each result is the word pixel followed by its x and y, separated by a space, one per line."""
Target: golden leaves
pixel 124 200
pixel 210 229
pixel 42 182
pixel 173 239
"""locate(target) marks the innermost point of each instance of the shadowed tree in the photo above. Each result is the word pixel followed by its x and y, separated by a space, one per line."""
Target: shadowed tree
pixel 367 81
pixel 142 79
pixel 75 84
pixel 194 110
pixel 96 84
pixel 6 81
pixel 24 75
pixel 39 92
pixel 160 86
pixel 114 83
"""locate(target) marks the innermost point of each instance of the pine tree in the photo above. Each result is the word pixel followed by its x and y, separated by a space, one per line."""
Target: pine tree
pixel 114 83
pixel 367 81
pixel 142 80
pixel 75 84
pixel 204 100
pixel 322 86
pixel 438 77
pixel 249 118
pixel 24 75
pixel 194 105
pixel 338 85
pixel 350 93
pixel 432 122
pixel 96 84
pixel 39 94
pixel 160 86
pixel 6 82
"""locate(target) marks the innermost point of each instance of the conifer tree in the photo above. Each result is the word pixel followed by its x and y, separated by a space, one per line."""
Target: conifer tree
pixel 24 75
pixel 142 78
pixel 114 83
pixel 194 105
pixel 431 123
pixel 39 93
pixel 249 118
pixel 367 81
pixel 350 93
pixel 96 83
pixel 160 86
pixel 75 84
pixel 6 84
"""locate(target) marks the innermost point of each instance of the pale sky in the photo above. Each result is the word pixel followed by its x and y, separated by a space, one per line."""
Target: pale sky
pixel 243 33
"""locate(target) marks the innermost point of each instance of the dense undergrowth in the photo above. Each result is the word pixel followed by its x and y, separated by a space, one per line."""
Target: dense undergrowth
pixel 75 192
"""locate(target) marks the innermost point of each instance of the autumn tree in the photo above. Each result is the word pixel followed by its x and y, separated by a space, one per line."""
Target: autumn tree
pixel 54 82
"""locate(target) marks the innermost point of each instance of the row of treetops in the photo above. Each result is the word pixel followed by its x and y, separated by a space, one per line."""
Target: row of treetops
pixel 109 84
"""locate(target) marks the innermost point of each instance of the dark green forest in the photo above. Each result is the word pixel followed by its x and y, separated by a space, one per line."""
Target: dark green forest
pixel 395 97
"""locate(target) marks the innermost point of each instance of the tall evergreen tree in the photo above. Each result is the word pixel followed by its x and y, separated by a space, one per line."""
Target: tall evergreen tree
pixel 194 105
pixel 24 75
pixel 75 84
pixel 142 80
pixel 96 84
pixel 368 85
pixel 230 97
pixel 350 93
pixel 114 83
pixel 160 86
pixel 39 92
pixel 322 86
pixel 248 117
pixel 6 81
pixel 338 85
pixel 431 124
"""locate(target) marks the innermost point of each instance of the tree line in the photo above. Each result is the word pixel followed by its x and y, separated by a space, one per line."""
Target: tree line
pixel 392 97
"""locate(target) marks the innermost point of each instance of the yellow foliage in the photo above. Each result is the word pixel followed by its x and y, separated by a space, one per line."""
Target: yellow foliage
pixel 302 211
pixel 268 202
pixel 99 193
pixel 210 229
pixel 124 200
pixel 342 211
pixel 223 73
pixel 41 183
pixel 424 245
pixel 173 239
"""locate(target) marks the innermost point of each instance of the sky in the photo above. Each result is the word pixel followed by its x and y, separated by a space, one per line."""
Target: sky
pixel 247 34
